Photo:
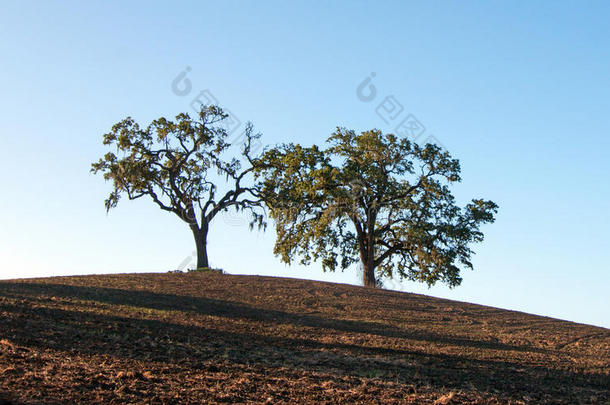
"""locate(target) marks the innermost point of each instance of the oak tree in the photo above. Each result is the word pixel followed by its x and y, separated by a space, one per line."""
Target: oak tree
pixel 178 165
pixel 372 198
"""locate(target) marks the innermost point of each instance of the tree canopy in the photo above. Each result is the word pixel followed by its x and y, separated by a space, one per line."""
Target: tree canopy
pixel 375 199
pixel 173 163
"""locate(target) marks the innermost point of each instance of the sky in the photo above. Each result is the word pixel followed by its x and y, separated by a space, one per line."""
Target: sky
pixel 517 91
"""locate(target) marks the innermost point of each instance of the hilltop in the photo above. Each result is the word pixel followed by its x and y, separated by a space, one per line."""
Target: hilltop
pixel 205 337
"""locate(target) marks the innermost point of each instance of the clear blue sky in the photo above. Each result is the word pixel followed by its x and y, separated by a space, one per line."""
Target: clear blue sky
pixel 518 91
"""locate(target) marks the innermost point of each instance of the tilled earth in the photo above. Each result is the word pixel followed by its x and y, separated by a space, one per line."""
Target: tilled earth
pixel 191 338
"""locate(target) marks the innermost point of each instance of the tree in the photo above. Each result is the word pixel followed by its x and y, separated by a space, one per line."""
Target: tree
pixel 172 163
pixel 372 198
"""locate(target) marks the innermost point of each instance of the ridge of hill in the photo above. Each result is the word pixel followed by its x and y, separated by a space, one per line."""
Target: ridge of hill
pixel 205 337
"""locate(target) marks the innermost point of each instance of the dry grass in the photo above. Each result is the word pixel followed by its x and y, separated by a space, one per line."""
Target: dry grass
pixel 200 338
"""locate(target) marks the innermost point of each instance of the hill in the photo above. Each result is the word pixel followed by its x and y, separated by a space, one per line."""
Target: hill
pixel 200 338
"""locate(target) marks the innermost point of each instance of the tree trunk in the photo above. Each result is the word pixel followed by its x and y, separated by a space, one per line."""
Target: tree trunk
pixel 201 242
pixel 368 276
pixel 368 263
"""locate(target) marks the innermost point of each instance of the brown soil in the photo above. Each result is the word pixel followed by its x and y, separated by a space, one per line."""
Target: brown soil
pixel 200 338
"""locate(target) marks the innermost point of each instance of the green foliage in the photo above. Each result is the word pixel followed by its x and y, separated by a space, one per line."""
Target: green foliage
pixel 172 162
pixel 372 198
pixel 169 161
pixel 207 270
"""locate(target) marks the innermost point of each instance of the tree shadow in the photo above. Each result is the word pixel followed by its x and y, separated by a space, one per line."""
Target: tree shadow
pixel 73 331
pixel 228 309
